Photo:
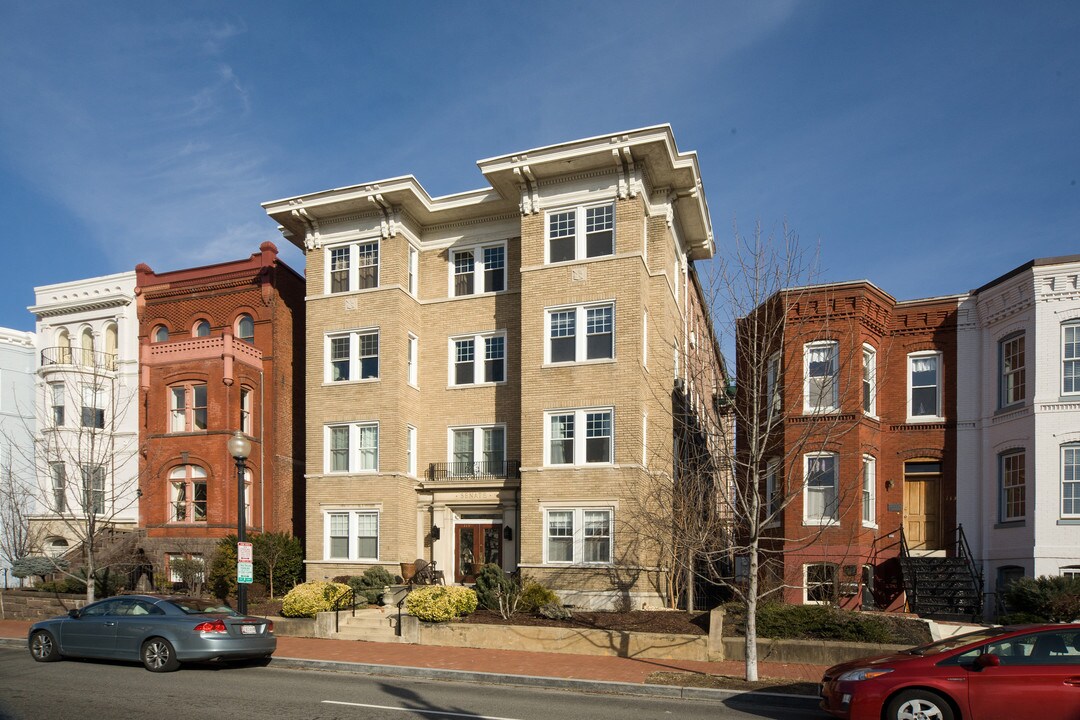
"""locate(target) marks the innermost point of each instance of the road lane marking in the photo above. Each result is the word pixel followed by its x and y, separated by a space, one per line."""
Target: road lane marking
pixel 418 710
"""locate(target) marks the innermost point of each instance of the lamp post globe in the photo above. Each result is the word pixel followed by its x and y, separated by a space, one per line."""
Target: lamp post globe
pixel 240 447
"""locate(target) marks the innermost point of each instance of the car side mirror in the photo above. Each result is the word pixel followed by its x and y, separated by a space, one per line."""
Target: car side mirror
pixel 987 660
pixel 74 613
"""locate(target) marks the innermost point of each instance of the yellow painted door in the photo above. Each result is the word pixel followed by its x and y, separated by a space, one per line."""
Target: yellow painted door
pixel 922 513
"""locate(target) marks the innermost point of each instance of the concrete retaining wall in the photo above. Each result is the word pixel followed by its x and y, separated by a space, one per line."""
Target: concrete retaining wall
pixel 22 605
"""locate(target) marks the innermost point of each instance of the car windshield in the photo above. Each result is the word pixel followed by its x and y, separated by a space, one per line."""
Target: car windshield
pixel 200 606
pixel 956 641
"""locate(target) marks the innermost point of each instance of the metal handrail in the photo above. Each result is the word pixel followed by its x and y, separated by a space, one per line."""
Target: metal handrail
pixel 63 355
pixel 337 606
pixel 963 549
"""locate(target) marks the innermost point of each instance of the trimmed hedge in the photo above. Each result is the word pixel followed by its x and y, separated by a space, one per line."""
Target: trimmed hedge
pixel 312 598
pixel 439 603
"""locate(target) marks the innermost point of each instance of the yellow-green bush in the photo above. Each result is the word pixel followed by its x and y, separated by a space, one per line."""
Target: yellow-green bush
pixel 439 604
pixel 312 598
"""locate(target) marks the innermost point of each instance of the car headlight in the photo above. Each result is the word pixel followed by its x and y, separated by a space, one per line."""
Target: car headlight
pixel 866 673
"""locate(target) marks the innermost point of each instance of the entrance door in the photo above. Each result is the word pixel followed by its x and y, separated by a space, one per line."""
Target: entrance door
pixel 922 505
pixel 475 545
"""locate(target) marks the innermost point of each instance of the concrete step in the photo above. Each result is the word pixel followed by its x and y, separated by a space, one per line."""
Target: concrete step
pixel 370 625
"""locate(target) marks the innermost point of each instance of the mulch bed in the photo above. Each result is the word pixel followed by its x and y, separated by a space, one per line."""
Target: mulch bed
pixel 655 621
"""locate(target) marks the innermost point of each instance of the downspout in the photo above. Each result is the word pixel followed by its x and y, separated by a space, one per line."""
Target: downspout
pixel 262 451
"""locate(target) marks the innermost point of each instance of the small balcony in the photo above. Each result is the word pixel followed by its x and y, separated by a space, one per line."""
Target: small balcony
pixel 77 357
pixel 481 471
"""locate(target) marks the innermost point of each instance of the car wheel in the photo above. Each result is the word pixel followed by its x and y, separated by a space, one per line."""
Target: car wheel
pixel 158 655
pixel 919 705
pixel 43 647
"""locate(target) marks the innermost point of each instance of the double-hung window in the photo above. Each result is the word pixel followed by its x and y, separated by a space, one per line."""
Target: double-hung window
pixel 479 270
pixel 869 380
pixel 188 494
pixel 93 482
pixel 93 406
pixel 869 491
pixel 1070 481
pixel 478 451
pixel 1011 361
pixel 352 447
pixel 924 385
pixel 477 359
pixel 56 393
pixel 820 390
pixel 579 437
pixel 351 535
pixel 352 356
pixel 581 333
pixel 58 471
pixel 414 360
pixel 772 386
pixel 187 408
pixel 353 267
pixel 1013 484
pixel 774 494
pixel 245 410
pixel 820 497
pixel 582 232
pixel 1070 358
pixel 578 535
pixel 820 586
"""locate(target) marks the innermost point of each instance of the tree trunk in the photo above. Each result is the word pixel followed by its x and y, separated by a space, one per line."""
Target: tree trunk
pixel 751 616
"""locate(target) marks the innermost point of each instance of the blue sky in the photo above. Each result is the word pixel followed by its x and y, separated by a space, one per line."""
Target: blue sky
pixel 926 146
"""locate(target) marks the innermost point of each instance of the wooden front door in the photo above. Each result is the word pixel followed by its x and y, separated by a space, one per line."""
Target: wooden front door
pixel 474 546
pixel 922 512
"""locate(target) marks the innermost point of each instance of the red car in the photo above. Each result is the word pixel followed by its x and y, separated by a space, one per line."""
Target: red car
pixel 1001 673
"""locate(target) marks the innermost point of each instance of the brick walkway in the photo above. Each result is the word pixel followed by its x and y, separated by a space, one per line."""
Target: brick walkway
pixel 503 662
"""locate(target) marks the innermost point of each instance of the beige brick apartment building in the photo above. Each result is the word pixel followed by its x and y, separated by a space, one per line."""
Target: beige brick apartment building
pixel 491 375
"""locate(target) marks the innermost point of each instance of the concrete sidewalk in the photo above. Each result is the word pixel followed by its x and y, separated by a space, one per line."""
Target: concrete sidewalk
pixel 536 669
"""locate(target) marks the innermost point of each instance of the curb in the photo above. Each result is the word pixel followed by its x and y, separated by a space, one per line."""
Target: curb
pixel 602 687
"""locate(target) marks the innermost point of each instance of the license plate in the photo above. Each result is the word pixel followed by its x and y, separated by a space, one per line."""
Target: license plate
pixel 248 630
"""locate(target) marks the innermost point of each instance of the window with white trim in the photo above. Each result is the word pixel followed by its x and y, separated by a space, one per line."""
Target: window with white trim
pixel 580 333
pixel 820 497
pixel 869 380
pixel 1013 485
pixel 821 384
pixel 582 232
pixel 352 447
pixel 93 406
pixel 478 270
pixel 579 437
pixel 1071 571
pixel 351 535
pixel 414 271
pixel 1070 481
pixel 478 451
pixel 578 536
pixel 180 564
pixel 820 586
pixel 58 473
pixel 924 385
pixel 201 329
pixel 245 328
pixel 774 493
pixel 869 490
pixel 187 494
pixel 351 267
pixel 160 334
pixel 1070 358
pixel 414 360
pixel 93 483
pixel 352 356
pixel 187 407
pixel 1011 362
pixel 56 393
pixel 772 386
pixel 477 359
pixel 410 450
pixel 245 410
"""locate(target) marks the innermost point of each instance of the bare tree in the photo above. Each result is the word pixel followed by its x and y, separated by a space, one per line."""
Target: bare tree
pixel 17 540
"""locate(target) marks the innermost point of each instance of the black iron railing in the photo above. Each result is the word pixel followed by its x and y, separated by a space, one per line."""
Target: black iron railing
pixel 472 471
pixel 64 355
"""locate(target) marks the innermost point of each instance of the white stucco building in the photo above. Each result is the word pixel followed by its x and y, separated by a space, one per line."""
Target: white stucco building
pixel 1018 422
pixel 18 362
pixel 86 408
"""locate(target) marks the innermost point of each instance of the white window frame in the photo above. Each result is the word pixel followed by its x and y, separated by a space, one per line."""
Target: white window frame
pixel 188 476
pixel 95 399
pixel 414 360
pixel 578 537
pixel 1070 451
pixel 414 271
pixel 353 524
pixel 1012 380
pixel 58 403
pixel 824 518
pixel 94 481
pixel 1070 358
pixel 353 450
pixel 59 486
pixel 479 360
pixel 188 414
pixel 354 359
pixel 869 491
pixel 246 406
pixel 477 452
pixel 581 333
pixel 579 213
pixel 773 385
pixel 834 405
pixel 579 436
pixel 773 496
pixel 353 271
pixel 410 450
pixel 176 577
pixel 911 358
pixel 868 384
pixel 806 582
pixel 1005 513
pixel 479 270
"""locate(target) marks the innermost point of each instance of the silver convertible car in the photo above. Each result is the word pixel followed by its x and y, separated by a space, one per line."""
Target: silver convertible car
pixel 161 632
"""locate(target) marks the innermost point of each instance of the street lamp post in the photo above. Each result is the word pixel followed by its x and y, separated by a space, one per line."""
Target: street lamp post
pixel 240 448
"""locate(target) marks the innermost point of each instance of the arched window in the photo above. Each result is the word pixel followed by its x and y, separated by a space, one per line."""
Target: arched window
pixel 160 334
pixel 63 345
pixel 86 342
pixel 187 494
pixel 245 328
pixel 112 343
pixel 56 546
pixel 201 329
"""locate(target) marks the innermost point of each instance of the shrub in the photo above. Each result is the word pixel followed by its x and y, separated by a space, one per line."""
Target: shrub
pixel 819 622
pixel 491 584
pixel 1046 598
pixel 312 598
pixel 38 565
pixel 438 604
pixel 536 596
pixel 277 562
